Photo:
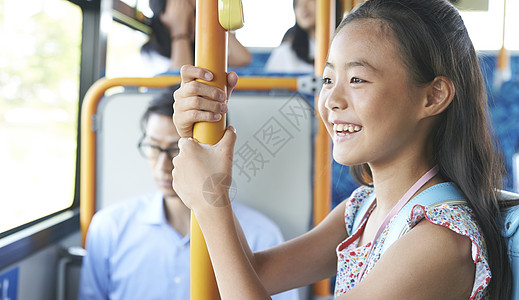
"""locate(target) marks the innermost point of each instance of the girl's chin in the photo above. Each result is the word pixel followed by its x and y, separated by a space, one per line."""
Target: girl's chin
pixel 340 159
pixel 347 158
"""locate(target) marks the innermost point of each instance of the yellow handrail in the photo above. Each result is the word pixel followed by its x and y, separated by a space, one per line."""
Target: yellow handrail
pixel 322 160
pixel 211 54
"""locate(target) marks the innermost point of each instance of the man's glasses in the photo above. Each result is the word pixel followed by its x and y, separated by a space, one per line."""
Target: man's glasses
pixel 150 151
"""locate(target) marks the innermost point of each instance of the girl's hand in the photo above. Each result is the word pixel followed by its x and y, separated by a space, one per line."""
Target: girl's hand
pixel 196 101
pixel 202 173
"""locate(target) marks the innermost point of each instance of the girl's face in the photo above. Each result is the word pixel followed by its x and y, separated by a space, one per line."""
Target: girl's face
pixel 305 14
pixel 368 103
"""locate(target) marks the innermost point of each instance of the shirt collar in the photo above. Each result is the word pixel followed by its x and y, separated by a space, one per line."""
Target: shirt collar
pixel 153 212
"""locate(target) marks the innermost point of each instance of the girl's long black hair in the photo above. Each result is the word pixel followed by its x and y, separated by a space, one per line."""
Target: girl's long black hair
pixel 433 41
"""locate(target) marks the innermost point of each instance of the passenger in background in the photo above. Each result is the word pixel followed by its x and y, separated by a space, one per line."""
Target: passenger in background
pixel 297 49
pixel 171 43
pixel 139 248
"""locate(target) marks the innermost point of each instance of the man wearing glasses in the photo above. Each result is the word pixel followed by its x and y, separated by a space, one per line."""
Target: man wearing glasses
pixel 139 248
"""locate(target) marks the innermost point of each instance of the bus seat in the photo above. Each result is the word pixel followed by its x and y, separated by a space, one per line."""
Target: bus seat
pixel 274 131
pixel 511 235
pixel 68 272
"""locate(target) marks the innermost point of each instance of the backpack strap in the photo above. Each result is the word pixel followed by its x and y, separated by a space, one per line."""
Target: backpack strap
pixel 439 194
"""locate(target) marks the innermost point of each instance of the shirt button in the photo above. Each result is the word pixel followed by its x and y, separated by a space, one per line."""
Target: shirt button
pixel 176 279
pixel 182 247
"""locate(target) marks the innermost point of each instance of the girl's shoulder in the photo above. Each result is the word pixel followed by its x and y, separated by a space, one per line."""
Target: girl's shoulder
pixel 458 218
pixel 353 203
pixel 461 220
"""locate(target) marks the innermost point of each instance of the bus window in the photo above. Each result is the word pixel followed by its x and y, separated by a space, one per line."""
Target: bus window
pixel 39 90
pixel 486 27
pixel 265 22
pixel 123 58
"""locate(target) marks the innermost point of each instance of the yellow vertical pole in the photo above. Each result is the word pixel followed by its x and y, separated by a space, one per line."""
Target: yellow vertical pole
pixel 211 54
pixel 325 24
pixel 347 5
pixel 503 58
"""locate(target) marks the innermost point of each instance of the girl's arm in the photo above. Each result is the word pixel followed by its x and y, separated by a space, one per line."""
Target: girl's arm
pixel 239 273
pixel 303 260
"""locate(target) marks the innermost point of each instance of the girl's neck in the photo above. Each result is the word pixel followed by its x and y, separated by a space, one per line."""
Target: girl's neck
pixel 392 182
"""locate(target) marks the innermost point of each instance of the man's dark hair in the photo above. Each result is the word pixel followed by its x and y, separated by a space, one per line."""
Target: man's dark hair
pixel 162 104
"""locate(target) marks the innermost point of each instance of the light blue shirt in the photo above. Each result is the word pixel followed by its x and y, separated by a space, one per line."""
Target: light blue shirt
pixel 133 252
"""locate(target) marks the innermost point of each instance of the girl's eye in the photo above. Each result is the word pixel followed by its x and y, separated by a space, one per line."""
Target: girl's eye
pixel 356 80
pixel 326 81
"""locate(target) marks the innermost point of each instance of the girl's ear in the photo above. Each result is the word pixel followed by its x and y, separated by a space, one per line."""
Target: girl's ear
pixel 440 93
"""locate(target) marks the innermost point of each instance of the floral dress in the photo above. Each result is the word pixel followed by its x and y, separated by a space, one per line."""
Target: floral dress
pixel 352 256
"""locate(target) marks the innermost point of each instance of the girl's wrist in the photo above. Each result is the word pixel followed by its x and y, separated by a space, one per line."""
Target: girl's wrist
pixel 212 201
pixel 208 213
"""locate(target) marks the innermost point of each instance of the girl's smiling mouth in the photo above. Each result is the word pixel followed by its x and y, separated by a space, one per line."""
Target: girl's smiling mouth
pixel 344 129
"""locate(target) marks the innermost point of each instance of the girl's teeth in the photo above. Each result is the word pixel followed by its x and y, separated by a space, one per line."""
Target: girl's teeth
pixel 344 128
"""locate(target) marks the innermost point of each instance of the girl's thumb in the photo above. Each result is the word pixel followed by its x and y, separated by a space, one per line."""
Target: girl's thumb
pixel 229 139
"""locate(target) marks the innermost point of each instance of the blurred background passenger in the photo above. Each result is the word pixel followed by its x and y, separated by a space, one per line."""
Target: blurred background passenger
pixel 171 43
pixel 297 49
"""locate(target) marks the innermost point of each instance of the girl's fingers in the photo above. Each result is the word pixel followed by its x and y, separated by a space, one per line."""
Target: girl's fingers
pixel 199 103
pixel 196 116
pixel 184 121
pixel 190 73
pixel 189 117
pixel 228 141
pixel 232 80
pixel 201 89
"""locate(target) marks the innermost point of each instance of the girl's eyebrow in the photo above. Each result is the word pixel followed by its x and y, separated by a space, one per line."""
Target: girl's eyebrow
pixel 352 64
pixel 360 63
pixel 328 65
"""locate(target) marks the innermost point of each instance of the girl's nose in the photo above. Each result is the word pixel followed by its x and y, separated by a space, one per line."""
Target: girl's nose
pixel 336 100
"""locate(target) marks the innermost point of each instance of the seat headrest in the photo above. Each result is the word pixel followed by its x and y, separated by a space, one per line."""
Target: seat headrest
pixel 511 214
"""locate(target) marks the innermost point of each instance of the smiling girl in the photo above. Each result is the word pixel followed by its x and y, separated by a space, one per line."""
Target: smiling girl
pixel 403 100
